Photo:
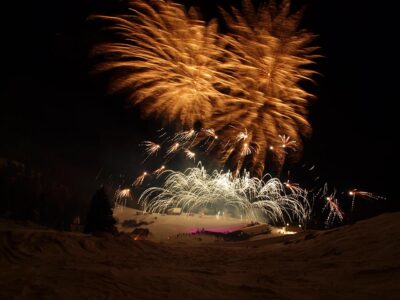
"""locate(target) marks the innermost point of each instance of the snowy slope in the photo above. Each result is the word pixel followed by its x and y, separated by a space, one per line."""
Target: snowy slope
pixel 361 261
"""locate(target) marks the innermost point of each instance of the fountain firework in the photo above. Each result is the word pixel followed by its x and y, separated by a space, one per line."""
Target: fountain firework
pixel 194 190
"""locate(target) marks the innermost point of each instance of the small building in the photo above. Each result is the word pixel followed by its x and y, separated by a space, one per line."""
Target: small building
pixel 256 229
pixel 174 211
pixel 247 232
pixel 76 225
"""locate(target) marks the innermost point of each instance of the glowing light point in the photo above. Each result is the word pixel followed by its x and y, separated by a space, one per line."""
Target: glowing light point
pixel 172 149
pixel 190 154
pixel 159 170
pixel 140 179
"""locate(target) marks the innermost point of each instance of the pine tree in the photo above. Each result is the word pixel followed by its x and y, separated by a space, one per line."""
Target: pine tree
pixel 100 218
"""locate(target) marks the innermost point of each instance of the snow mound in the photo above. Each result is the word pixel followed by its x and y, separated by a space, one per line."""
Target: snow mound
pixel 361 261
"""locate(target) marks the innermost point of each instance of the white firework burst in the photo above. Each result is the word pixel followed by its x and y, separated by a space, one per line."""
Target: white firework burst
pixel 195 190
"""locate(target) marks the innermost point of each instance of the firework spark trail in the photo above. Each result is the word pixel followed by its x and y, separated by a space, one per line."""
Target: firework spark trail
pixel 185 136
pixel 363 194
pixel 188 138
pixel 172 149
pixel 121 197
pixel 163 133
pixel 139 180
pixel 334 210
pixel 190 155
pixel 287 143
pixel 246 149
pixel 195 190
pixel 242 136
pixel 291 185
pixel 151 148
pixel 210 133
pixel 331 205
pixel 159 171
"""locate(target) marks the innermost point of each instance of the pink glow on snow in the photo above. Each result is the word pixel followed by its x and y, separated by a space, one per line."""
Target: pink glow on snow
pixel 227 229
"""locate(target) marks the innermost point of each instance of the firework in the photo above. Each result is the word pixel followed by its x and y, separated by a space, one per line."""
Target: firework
pixel 121 197
pixel 253 198
pixel 185 135
pixel 287 143
pixel 211 133
pixel 331 205
pixel 189 154
pixel 168 61
pixel 245 84
pixel 159 171
pixel 246 149
pixel 140 179
pixel 242 136
pixel 150 147
pixel 172 149
pixel 272 59
pixel 334 210
pixel 363 194
pixel 291 185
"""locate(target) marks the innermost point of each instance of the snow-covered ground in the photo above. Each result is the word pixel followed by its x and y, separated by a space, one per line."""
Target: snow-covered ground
pixel 360 261
pixel 165 227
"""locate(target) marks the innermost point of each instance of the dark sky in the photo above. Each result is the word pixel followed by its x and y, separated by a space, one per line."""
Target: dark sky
pixel 59 118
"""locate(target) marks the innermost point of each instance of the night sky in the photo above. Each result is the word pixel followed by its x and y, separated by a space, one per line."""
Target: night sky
pixel 59 118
